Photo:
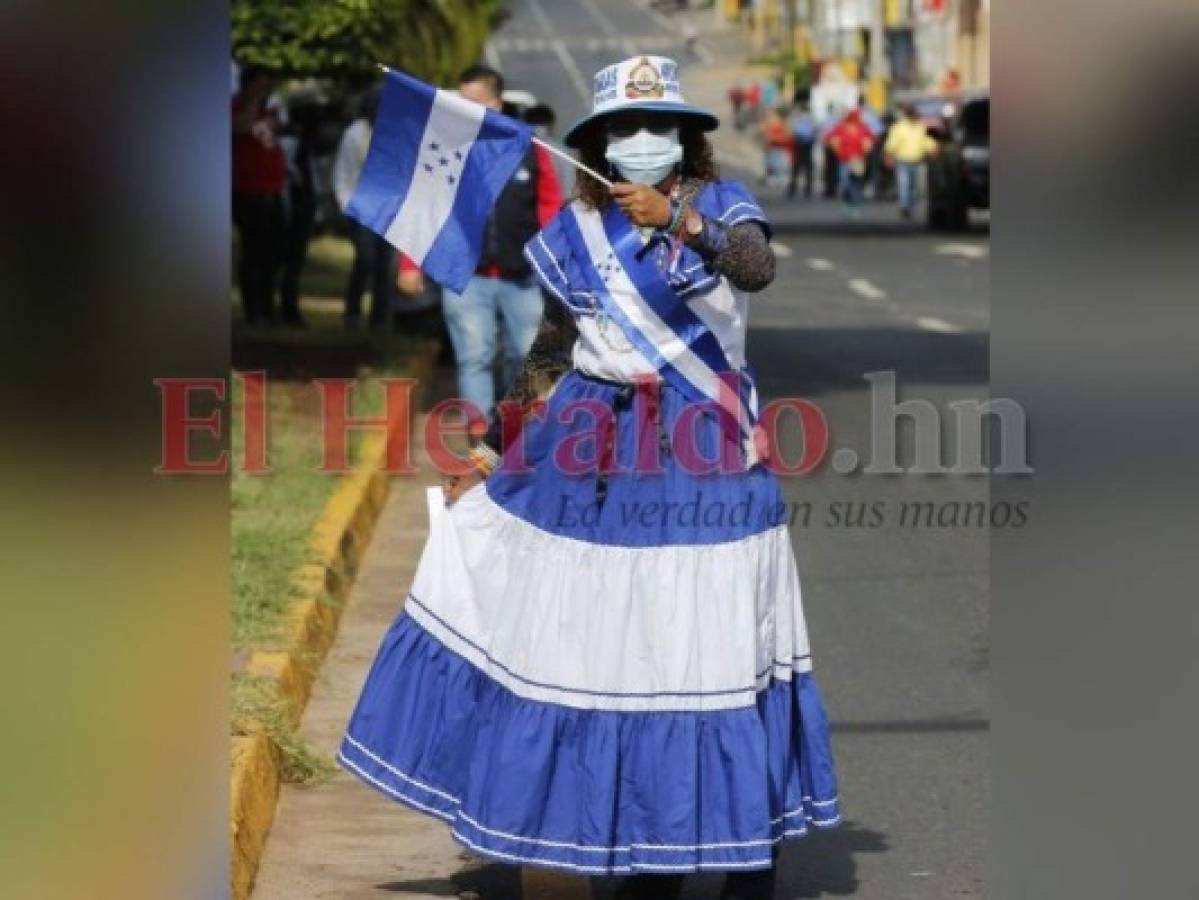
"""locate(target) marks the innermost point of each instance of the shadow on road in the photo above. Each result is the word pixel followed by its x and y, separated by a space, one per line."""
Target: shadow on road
pixel 842 226
pixel 939 725
pixel 823 864
pixel 812 361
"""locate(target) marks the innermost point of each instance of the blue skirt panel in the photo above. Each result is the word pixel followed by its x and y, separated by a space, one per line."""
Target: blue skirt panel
pixel 596 792
pixel 630 508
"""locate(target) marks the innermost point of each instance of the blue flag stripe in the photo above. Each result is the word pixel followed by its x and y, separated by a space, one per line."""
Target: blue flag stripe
pixel 498 149
pixel 395 144
pixel 446 143
pixel 436 166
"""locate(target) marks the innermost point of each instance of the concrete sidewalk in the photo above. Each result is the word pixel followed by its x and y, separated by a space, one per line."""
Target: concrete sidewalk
pixel 341 839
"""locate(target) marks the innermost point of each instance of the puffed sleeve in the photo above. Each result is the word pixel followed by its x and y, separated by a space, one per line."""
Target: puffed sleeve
pixel 735 240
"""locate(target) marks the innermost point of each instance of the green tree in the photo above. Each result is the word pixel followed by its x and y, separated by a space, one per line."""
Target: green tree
pixel 344 39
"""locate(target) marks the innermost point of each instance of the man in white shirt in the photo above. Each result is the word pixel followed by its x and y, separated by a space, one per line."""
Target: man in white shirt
pixel 374 258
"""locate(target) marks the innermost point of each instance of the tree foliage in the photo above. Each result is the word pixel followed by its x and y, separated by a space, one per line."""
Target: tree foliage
pixel 344 39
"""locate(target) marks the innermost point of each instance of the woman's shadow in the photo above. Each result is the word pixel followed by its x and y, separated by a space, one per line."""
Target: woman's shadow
pixel 821 865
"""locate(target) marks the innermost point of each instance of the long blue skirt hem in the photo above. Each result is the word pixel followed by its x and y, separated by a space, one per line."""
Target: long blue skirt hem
pixel 591 791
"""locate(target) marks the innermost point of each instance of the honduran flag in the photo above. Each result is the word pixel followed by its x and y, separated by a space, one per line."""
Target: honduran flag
pixel 436 164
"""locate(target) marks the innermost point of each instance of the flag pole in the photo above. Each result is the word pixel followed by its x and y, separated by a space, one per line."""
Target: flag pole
pixel 561 154
pixel 574 162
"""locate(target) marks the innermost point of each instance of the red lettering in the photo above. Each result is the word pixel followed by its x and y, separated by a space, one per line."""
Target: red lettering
pixel 815 435
pixel 177 425
pixel 442 422
pixel 253 417
pixel 395 421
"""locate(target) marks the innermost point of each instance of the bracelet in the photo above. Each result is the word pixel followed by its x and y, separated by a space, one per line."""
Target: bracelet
pixel 483 458
pixel 677 212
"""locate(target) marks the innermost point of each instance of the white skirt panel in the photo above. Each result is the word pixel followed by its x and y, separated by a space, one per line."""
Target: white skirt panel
pixel 591 626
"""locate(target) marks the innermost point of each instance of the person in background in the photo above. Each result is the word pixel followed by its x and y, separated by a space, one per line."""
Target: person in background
pixel 259 179
pixel 737 102
pixel 542 118
pixel 691 39
pixel 374 258
pixel 908 145
pixel 830 170
pixel 776 144
pixel 503 286
pixel 803 137
pixel 852 142
pixel 770 94
pixel 884 177
pixel 753 101
pixel 874 159
pixel 297 141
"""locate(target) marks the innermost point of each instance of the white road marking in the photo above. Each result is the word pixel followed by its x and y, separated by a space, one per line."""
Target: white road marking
pixel 966 251
pixel 703 54
pixel 820 265
pixel 606 25
pixel 542 19
pixel 673 28
pixel 932 323
pixel 572 69
pixel 492 55
pixel 654 14
pixel 782 251
pixel 864 288
pixel 592 44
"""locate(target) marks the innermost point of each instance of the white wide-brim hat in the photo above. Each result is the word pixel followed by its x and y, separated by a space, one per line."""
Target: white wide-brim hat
pixel 647 83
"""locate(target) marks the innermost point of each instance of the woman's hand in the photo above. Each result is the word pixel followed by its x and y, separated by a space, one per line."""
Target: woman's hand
pixel 411 282
pixel 644 204
pixel 454 486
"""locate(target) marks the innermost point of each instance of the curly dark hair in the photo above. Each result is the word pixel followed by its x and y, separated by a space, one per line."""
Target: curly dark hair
pixel 697 163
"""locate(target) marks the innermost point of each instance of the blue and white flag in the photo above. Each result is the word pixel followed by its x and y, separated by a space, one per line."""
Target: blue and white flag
pixel 437 163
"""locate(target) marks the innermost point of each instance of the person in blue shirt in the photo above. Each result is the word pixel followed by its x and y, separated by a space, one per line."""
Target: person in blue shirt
pixel 803 134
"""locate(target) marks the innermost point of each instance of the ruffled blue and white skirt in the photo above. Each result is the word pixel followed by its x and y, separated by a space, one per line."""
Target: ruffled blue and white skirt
pixel 610 687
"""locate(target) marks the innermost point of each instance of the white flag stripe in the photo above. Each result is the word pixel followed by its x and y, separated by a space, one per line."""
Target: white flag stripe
pixel 644 319
pixel 453 125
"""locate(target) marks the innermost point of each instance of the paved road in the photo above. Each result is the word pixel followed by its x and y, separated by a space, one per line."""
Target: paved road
pixel 898 614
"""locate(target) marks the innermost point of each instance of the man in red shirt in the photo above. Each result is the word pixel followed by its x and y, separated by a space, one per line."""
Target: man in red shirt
pixel 259 179
pixel 851 140
pixel 503 286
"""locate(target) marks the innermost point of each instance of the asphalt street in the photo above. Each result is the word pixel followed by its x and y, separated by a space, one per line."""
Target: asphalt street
pixel 897 611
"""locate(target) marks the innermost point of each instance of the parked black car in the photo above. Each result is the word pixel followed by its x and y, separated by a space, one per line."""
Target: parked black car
pixel 959 176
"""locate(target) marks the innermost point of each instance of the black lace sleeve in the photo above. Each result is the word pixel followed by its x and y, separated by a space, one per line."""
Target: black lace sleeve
pixel 747 260
pixel 548 360
pixel 741 254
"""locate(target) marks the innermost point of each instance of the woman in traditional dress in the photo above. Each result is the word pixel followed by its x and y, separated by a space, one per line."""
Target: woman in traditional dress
pixel 602 665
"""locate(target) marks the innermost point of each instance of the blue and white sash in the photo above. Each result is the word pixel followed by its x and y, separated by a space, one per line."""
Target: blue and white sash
pixel 626 283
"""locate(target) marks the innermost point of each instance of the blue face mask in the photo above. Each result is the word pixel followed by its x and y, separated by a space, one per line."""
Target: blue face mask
pixel 645 157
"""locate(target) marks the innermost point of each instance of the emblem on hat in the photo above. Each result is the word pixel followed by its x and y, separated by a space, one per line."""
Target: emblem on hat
pixel 639 82
pixel 644 82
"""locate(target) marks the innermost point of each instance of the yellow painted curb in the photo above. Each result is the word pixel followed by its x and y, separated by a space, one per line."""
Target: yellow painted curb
pixel 320 586
pixel 255 789
pixel 339 539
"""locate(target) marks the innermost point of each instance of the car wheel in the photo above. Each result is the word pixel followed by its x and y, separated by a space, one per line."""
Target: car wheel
pixel 957 216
